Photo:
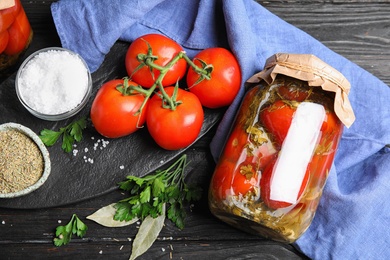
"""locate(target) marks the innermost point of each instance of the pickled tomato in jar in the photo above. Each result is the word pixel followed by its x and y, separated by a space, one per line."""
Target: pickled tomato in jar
pixel 271 173
pixel 15 33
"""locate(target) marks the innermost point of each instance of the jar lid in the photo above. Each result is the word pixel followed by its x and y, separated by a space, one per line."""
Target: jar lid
pixel 317 73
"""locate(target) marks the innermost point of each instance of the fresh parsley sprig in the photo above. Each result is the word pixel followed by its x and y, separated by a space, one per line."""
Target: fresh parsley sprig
pixel 64 233
pixel 148 195
pixel 70 134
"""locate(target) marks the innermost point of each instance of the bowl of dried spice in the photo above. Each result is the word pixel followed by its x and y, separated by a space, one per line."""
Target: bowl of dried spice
pixel 24 161
pixel 53 83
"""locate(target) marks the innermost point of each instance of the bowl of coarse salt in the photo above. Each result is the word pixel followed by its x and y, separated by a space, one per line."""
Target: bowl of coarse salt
pixel 24 161
pixel 53 83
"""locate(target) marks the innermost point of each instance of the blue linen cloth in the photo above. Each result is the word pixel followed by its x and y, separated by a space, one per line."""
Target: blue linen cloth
pixel 353 218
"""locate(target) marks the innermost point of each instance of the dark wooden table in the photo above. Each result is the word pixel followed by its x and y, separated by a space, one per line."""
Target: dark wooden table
pixel 358 30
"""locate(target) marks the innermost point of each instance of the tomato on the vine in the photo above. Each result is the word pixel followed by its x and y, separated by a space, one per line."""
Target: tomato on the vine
pixel 265 187
pixel 277 118
pixel 225 78
pixel 113 113
pixel 163 51
pixel 178 128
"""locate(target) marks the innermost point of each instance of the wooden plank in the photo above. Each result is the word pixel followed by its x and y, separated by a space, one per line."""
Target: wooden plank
pixel 354 29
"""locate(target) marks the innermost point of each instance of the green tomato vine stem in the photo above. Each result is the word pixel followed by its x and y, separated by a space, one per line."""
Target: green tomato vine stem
pixel 168 101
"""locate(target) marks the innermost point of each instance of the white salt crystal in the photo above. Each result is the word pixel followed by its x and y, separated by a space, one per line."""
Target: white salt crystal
pixel 53 82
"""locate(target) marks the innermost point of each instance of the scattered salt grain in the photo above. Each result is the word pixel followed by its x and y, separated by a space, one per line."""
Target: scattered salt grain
pixel 59 221
pixel 75 151
pixel 53 82
pixel 99 143
pixel 101 252
pixel 3 222
pixel 121 167
pixel 163 249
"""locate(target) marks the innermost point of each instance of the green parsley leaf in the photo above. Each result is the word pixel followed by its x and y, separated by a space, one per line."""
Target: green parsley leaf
pixel 149 194
pixel 158 187
pixel 49 137
pixel 64 233
pixel 70 134
pixel 145 195
pixel 77 129
pixel 193 193
pixel 177 214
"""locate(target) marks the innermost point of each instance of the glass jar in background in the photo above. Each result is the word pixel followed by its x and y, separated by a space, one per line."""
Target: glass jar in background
pixel 15 33
pixel 271 173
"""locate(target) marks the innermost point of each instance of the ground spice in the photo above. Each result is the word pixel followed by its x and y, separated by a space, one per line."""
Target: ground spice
pixel 21 161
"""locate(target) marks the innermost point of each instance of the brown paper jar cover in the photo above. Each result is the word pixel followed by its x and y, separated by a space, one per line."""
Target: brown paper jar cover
pixel 316 72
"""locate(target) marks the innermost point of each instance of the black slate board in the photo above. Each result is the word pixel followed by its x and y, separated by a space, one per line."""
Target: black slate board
pixel 90 172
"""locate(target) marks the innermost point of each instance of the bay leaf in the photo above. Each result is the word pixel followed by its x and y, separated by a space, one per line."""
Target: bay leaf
pixel 148 232
pixel 105 217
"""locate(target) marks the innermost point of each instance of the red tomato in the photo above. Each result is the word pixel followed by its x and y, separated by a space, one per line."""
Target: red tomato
pixel 221 182
pixel 332 124
pixel 19 33
pixel 261 156
pixel 229 180
pixel 113 114
pixel 175 129
pixel 322 160
pixel 164 49
pixel 4 36
pixel 293 93
pixel 225 82
pixel 235 144
pixel 7 16
pixel 277 119
pixel 244 179
pixel 265 187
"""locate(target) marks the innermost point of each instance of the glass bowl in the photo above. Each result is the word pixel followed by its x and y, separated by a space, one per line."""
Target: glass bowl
pixel 53 83
pixel 45 155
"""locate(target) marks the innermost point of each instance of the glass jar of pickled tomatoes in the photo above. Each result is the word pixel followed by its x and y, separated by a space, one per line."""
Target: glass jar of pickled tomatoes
pixel 15 33
pixel 271 173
